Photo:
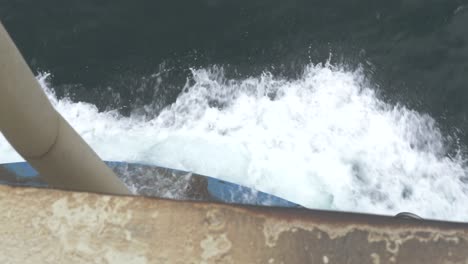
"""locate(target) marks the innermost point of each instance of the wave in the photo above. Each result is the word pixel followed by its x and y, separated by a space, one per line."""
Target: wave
pixel 323 140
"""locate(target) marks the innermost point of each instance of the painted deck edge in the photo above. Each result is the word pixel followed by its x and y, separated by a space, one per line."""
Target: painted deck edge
pixel 53 226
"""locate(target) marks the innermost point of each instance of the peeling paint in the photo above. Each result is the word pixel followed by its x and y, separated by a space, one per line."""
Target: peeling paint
pixel 116 257
pixel 393 240
pixel 215 220
pixel 392 237
pixel 215 246
pixel 50 226
pixel 375 258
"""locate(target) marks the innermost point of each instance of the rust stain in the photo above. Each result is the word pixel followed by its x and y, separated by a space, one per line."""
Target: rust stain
pixel 57 226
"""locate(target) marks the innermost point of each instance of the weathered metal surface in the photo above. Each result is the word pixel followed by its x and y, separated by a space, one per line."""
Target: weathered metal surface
pixel 50 226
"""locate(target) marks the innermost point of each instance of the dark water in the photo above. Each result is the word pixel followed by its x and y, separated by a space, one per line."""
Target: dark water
pixel 107 52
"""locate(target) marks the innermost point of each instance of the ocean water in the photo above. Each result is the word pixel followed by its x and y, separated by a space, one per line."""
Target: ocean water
pixel 354 107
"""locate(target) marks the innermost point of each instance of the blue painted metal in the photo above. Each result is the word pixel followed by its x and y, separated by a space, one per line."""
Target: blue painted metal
pixel 21 169
pixel 232 193
pixel 159 182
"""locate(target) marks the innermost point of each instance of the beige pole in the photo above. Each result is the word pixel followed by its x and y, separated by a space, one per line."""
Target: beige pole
pixel 41 135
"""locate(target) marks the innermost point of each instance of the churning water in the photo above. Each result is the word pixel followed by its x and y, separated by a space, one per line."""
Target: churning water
pixel 385 133
pixel 323 140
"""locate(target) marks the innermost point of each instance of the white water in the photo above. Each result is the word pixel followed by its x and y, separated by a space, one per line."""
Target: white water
pixel 324 141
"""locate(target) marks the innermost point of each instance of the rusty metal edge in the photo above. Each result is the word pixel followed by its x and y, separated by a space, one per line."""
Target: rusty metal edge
pixel 40 225
pixel 284 213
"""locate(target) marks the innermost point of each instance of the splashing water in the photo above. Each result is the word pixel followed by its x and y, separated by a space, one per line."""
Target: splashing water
pixel 323 140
